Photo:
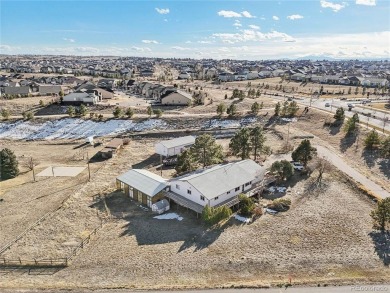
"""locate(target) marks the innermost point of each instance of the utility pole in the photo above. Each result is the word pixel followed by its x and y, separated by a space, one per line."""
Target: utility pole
pixel 89 170
pixel 32 166
pixel 161 166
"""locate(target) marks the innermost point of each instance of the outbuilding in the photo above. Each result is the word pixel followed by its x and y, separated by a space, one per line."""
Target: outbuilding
pixel 142 186
pixel 173 147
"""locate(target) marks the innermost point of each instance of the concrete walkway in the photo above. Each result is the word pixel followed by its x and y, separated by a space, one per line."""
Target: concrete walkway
pixel 344 167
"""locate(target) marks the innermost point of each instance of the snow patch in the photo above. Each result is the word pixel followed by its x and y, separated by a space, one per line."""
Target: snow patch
pixel 74 128
pixel 169 216
pixel 218 123
pixel 242 219
pixel 273 189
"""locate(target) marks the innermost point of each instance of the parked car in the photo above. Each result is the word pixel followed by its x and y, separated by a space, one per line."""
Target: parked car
pixel 297 166
pixel 327 104
pixel 350 106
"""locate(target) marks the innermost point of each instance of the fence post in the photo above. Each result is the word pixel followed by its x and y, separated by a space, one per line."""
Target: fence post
pixel 35 261
pixel 20 261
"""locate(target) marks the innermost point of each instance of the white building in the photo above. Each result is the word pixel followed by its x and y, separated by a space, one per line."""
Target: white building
pixel 172 147
pixel 81 98
pixel 219 184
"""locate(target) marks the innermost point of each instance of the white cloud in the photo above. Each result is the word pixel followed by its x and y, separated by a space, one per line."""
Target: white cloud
pixel 275 17
pixel 252 36
pixel 366 2
pixel 188 42
pixel 180 48
pixel 237 23
pixel 162 10
pixel 254 27
pixel 247 14
pixel 205 42
pixel 150 42
pixel 295 16
pixel 141 49
pixel 8 48
pixel 69 40
pixel 336 7
pixel 166 20
pixel 229 13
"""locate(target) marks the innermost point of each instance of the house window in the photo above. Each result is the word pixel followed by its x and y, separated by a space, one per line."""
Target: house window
pixel 188 191
pixel 216 198
pixel 202 197
pixel 248 183
pixel 228 192
pixel 178 186
pixel 237 189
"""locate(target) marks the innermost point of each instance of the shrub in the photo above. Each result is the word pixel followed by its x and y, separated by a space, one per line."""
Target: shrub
pixel 117 112
pixel 158 113
pixel 257 212
pixel 129 113
pixel 280 204
pixel 246 205
pixel 41 103
pixel 28 115
pixel 126 141
pixel 5 113
pixel 214 215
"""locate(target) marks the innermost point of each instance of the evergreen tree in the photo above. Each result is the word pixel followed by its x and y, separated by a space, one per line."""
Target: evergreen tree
pixel 277 109
pixel 5 113
pixel 292 108
pixel 304 152
pixel 372 139
pixel 232 110
pixel 71 111
pixel 283 169
pixel 129 113
pixel 381 215
pixel 83 110
pixel 149 111
pixel 351 125
pixel 221 108
pixel 8 164
pixel 257 141
pixel 117 112
pixel 158 113
pixel 339 115
pixel 255 108
pixel 185 162
pixel 206 151
pixel 385 148
pixel 240 144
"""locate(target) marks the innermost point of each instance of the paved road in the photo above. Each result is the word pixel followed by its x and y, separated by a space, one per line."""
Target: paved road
pixel 344 167
pixel 340 289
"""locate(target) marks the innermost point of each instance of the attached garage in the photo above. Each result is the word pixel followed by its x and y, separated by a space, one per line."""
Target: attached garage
pixel 142 185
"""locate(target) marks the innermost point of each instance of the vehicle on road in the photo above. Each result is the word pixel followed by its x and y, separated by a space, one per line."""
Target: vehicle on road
pixel 327 104
pixel 350 106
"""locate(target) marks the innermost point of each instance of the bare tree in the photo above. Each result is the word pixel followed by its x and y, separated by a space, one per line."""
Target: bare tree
pixel 322 165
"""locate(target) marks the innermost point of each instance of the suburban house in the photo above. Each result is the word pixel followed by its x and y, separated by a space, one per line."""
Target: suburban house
pixel 177 98
pixel 173 147
pixel 46 90
pixel 17 90
pixel 214 186
pixel 220 184
pixel 78 98
pixel 142 185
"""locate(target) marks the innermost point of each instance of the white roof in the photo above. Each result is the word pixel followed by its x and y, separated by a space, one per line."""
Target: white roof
pixel 180 141
pixel 144 181
pixel 219 179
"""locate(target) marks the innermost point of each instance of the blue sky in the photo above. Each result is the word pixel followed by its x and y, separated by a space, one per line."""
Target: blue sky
pixel 198 29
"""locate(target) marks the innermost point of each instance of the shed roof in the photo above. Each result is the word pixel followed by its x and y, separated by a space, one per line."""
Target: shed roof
pixel 180 141
pixel 115 143
pixel 144 181
pixel 219 179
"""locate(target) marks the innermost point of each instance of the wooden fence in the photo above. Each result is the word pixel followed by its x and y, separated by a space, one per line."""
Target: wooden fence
pixel 56 262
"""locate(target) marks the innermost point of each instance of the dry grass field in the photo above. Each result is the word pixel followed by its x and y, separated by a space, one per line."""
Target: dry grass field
pixel 324 237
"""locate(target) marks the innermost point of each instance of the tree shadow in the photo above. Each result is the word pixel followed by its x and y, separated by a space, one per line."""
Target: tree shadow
pixel 382 245
pixel 347 141
pixel 335 128
pixel 370 157
pixel 140 222
pixel 384 166
pixel 151 161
